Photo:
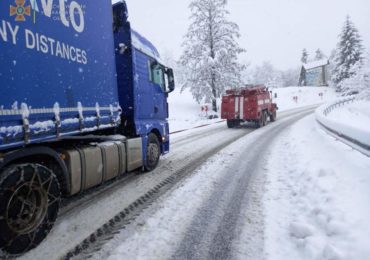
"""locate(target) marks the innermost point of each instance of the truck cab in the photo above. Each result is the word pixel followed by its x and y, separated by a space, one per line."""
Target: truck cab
pixel 143 83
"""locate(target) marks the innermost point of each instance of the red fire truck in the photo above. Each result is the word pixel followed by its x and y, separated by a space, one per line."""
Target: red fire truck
pixel 249 104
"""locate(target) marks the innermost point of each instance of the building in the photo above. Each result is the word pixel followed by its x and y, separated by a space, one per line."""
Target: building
pixel 314 73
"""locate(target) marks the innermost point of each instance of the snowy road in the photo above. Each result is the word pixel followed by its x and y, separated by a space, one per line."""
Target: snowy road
pixel 214 228
pixel 190 151
pixel 201 218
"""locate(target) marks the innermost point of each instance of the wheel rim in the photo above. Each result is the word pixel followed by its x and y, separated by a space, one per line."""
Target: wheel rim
pixel 27 206
pixel 153 154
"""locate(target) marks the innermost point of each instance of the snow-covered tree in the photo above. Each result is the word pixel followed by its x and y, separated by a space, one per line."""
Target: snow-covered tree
pixel 348 53
pixel 290 77
pixel 210 57
pixel 275 81
pixel 319 55
pixel 247 73
pixel 266 74
pixel 359 81
pixel 304 58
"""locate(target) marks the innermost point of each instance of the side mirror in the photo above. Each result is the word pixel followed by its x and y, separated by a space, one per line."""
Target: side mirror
pixel 171 80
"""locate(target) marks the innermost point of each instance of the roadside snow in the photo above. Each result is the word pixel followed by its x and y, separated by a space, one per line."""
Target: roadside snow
pixel 317 199
pixel 185 112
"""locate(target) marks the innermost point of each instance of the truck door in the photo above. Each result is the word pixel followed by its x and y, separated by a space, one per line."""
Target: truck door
pixel 159 90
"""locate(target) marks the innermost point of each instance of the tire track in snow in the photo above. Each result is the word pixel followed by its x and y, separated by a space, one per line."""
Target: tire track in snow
pixel 213 231
pixel 77 224
pixel 102 235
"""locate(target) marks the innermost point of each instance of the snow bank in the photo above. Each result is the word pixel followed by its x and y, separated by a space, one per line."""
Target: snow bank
pixel 348 117
pixel 317 197
pixel 185 112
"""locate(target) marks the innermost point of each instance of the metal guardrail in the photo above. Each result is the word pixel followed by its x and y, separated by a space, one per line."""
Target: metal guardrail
pixel 330 108
pixel 345 138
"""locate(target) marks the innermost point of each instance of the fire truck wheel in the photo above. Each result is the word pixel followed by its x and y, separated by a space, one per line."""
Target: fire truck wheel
pixel 153 153
pixel 264 118
pixel 230 123
pixel 259 123
pixel 29 204
pixel 273 116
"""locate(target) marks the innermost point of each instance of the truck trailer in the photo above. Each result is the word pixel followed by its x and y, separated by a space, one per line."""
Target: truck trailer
pixel 248 104
pixel 82 102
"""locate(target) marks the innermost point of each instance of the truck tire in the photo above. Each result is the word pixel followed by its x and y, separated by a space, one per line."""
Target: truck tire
pixel 29 205
pixel 153 152
pixel 259 122
pixel 230 123
pixel 273 116
pixel 264 118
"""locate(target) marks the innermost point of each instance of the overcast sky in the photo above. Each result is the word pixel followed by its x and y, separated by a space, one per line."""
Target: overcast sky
pixel 271 30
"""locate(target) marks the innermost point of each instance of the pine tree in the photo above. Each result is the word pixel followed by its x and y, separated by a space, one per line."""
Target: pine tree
pixel 348 53
pixel 267 75
pixel 319 55
pixel 304 58
pixel 210 57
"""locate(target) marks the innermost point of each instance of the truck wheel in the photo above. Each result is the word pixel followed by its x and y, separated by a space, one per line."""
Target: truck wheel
pixel 153 152
pixel 264 118
pixel 230 123
pixel 29 205
pixel 273 116
pixel 259 122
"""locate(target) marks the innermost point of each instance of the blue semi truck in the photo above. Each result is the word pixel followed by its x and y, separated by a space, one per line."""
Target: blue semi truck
pixel 83 100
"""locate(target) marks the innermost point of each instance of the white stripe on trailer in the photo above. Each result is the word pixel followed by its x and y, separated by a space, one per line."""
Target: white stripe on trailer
pixel 236 105
pixel 241 108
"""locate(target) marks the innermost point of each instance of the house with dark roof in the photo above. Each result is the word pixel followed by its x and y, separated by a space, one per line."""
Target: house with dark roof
pixel 314 73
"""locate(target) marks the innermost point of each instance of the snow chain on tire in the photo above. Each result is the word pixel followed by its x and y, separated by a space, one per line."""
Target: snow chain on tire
pixel 29 204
